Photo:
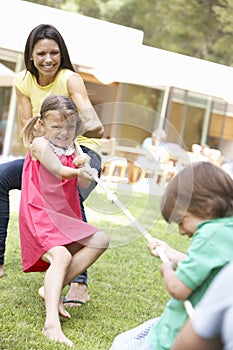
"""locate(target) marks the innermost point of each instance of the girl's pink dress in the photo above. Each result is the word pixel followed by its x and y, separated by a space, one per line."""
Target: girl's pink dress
pixel 49 214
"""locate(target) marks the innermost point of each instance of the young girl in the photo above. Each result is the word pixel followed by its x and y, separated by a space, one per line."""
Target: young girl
pixel 53 236
pixel 200 200
pixel 49 71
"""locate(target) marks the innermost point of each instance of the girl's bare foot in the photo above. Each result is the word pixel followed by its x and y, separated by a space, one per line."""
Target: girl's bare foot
pixel 2 271
pixel 56 334
pixel 77 295
pixel 62 311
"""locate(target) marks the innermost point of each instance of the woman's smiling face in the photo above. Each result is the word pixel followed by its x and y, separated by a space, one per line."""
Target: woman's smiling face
pixel 46 57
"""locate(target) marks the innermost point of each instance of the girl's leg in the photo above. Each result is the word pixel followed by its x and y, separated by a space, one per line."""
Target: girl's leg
pixel 65 264
pixel 59 259
pixel 10 178
pixel 91 249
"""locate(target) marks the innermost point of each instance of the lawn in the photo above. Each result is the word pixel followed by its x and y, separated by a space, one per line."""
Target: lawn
pixel 125 284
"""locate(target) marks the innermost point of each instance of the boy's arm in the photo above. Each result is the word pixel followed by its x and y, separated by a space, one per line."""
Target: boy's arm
pixel 174 285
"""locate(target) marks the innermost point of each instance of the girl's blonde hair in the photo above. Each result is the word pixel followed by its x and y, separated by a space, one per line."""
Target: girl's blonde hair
pixel 203 189
pixel 66 108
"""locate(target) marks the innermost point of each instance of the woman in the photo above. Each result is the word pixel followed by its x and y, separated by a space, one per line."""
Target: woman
pixel 48 71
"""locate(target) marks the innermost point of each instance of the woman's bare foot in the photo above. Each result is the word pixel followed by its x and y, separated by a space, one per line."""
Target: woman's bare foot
pixel 62 311
pixel 78 294
pixel 56 334
pixel 2 273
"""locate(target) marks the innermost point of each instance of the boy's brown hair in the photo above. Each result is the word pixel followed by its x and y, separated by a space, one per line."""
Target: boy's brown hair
pixel 203 189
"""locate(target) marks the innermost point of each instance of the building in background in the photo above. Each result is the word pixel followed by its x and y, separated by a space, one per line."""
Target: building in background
pixel 134 88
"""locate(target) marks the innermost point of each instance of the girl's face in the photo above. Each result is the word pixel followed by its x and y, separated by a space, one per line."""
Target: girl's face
pixel 47 59
pixel 188 225
pixel 60 131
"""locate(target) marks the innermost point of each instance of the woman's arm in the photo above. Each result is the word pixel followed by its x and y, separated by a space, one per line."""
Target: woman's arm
pixel 77 90
pixel 24 109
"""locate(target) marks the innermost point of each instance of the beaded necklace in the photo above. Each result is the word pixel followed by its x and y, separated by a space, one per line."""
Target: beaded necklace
pixel 60 151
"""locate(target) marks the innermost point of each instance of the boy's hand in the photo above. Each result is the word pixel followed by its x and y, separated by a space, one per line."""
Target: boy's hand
pixel 155 243
pixel 171 253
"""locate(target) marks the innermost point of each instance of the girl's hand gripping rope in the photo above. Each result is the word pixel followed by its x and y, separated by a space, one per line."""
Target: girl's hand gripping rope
pixel 81 160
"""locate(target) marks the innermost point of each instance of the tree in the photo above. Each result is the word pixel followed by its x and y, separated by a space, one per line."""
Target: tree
pixel 194 27
pixel 50 3
pixel 198 28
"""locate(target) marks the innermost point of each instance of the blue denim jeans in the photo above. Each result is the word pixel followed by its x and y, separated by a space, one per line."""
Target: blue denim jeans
pixel 10 179
pixel 83 194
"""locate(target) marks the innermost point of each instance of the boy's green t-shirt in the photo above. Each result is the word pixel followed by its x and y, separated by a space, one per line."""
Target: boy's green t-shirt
pixel 210 250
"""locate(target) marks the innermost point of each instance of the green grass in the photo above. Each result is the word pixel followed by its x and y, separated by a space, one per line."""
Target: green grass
pixel 125 284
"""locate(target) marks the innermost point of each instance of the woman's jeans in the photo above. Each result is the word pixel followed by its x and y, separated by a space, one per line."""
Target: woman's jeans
pixel 10 179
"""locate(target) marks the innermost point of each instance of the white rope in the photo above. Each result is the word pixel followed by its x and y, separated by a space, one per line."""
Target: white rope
pixel 113 198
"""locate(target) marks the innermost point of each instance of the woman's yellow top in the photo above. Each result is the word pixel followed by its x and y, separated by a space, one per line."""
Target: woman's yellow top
pixel 28 85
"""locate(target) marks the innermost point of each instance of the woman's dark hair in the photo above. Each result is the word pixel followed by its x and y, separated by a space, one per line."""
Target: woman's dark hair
pixel 203 189
pixel 45 31
pixel 66 108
